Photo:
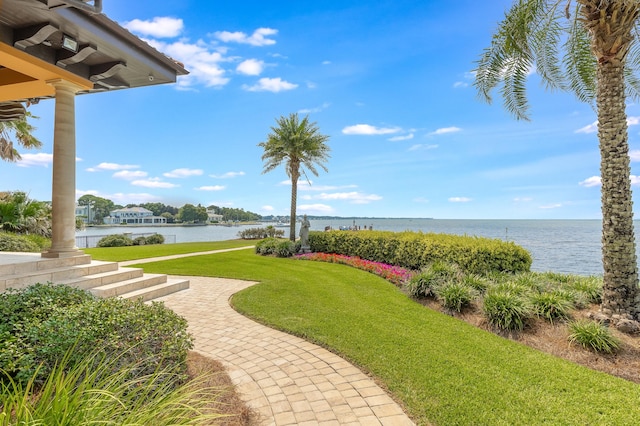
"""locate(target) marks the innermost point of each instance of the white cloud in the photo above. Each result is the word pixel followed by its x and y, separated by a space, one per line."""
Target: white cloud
pixel 366 129
pixel 153 183
pixel 183 173
pixel 634 155
pixel 419 146
pixel 160 26
pixel 274 85
pixel 459 200
pixel 315 208
pixel 267 208
pixel 112 166
pixel 121 198
pixel 352 197
pixel 326 62
pixel 316 109
pixel 210 188
pixel 633 121
pixel 258 38
pixel 41 159
pixel 551 206
pixel 201 59
pixel 522 199
pixel 460 84
pixel 250 67
pixel 591 128
pixel 228 175
pixel 591 182
pixel 445 130
pixel 401 138
pixel 635 180
pixel 129 175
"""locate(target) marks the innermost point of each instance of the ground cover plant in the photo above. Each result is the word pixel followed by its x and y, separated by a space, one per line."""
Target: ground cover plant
pixel 443 370
pixel 120 254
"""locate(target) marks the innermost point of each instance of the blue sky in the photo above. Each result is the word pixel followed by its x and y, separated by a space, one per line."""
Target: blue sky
pixel 389 81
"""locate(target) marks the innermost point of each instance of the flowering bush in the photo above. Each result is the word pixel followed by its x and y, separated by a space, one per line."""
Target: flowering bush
pixel 393 274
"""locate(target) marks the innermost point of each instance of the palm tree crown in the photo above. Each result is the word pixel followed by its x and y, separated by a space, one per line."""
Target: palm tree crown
pixel 299 145
pixel 22 131
pixel 600 50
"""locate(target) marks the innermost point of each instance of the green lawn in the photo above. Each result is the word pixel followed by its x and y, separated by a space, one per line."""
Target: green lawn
pixel 119 254
pixel 443 370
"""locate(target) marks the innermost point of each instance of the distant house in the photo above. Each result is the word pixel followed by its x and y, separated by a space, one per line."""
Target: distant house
pixel 213 217
pixel 134 216
pixel 83 213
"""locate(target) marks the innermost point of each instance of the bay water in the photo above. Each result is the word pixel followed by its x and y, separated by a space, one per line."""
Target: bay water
pixel 564 246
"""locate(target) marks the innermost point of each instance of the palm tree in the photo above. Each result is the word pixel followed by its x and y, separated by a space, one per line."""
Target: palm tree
pixel 23 132
pixel 297 143
pixel 21 215
pixel 599 43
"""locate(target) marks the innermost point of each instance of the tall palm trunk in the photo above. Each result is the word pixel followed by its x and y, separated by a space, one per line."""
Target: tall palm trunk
pixel 295 175
pixel 610 24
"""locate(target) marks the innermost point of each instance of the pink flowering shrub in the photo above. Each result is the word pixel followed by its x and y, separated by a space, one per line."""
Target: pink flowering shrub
pixel 394 274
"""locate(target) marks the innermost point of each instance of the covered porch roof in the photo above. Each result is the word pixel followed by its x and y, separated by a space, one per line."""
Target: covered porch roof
pixel 45 40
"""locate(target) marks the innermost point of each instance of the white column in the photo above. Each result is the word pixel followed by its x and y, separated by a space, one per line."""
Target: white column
pixel 63 238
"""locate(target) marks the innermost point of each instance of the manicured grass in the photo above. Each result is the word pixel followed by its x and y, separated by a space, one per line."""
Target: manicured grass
pixel 443 370
pixel 119 254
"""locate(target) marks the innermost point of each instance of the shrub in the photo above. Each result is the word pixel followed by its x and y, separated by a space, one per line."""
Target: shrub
pixel 14 242
pixel 85 392
pixel 505 309
pixel 455 295
pixel 139 241
pixel 267 246
pixel 285 249
pixel 590 287
pixel 554 305
pixel 477 282
pixel 416 250
pixel 41 323
pixel 260 233
pixel 425 283
pixel 155 239
pixel 115 240
pixel 593 335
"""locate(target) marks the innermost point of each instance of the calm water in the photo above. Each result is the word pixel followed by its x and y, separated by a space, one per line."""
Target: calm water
pixel 565 246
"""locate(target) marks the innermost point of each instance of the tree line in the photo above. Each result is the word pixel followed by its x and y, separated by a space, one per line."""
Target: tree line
pixel 189 213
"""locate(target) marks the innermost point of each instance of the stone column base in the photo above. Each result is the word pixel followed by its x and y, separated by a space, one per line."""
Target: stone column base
pixel 61 254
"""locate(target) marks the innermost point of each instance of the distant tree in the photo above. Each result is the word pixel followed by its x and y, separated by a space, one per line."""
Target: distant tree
pixel 22 215
pixel 170 218
pixel 192 214
pixel 296 143
pixel 22 131
pixel 601 51
pixel 100 207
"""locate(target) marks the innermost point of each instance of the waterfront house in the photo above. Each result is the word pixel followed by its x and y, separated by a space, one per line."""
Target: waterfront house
pixel 134 216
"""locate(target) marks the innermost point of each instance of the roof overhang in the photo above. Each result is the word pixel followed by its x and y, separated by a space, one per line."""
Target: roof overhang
pixel 45 40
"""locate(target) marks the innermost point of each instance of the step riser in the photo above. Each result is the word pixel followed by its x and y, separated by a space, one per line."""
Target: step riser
pixel 119 289
pixel 159 291
pixel 42 265
pixel 91 281
pixel 103 279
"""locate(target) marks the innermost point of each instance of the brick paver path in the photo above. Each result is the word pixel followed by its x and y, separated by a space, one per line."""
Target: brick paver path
pixel 288 380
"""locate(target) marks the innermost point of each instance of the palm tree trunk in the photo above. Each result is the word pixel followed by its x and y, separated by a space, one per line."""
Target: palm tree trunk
pixel 621 295
pixel 295 175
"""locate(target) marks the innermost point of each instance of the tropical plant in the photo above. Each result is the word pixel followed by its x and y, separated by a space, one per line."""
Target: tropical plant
pixel 593 335
pixel 599 39
pixel 22 131
pixel 21 215
pixel 297 143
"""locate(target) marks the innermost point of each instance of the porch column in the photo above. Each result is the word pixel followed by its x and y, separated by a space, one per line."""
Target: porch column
pixel 63 238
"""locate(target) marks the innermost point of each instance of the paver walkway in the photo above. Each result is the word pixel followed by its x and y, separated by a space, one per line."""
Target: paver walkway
pixel 288 380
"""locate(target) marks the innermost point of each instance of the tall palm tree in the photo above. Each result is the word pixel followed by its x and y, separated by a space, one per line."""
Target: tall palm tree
pixel 23 132
pixel 600 48
pixel 297 143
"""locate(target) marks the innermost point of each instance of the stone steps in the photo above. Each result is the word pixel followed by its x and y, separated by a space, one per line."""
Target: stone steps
pixel 103 279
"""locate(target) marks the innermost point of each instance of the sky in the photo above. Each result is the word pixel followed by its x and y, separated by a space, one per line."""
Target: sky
pixel 390 83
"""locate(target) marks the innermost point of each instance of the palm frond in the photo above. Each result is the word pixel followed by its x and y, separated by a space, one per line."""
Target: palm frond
pixel 579 62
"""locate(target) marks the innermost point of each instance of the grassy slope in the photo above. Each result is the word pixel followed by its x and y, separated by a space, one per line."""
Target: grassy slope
pixel 443 370
pixel 119 254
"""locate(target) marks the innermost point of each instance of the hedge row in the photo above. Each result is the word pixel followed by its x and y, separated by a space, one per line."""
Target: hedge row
pixel 417 250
